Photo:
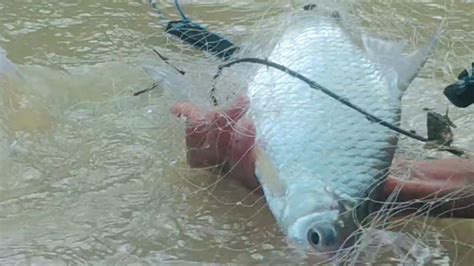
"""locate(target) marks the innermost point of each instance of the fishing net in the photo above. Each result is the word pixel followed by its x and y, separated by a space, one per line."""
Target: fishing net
pixel 414 238
pixel 102 176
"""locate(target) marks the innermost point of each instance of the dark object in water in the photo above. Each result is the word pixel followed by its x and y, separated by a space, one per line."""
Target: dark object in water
pixel 199 37
pixel 439 129
pixel 440 135
pixel 309 7
pixel 194 34
pixel 461 93
pixel 202 39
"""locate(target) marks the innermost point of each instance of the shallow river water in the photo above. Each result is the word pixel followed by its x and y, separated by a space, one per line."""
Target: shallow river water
pixel 91 174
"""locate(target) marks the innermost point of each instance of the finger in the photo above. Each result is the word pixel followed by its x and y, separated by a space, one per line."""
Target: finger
pixel 448 198
pixel 231 115
pixel 188 110
pixel 238 108
pixel 243 141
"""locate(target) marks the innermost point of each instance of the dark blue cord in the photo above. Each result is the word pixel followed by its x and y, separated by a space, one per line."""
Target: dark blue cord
pixel 181 12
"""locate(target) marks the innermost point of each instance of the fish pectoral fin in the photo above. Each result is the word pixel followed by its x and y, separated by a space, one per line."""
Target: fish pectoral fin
pixel 267 175
pixel 391 55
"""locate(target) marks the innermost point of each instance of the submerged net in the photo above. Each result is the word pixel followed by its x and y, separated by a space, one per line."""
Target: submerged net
pixel 105 173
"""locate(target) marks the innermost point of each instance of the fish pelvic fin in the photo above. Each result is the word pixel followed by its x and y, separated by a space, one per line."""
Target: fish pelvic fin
pixel 391 55
pixel 267 175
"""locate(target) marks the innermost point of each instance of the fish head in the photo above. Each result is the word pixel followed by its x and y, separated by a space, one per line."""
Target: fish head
pixel 319 223
pixel 311 214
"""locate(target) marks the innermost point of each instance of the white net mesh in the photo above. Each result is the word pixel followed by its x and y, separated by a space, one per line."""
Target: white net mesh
pixel 91 173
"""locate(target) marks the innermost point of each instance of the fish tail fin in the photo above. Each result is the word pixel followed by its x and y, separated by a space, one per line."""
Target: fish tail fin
pixel 391 55
pixel 411 64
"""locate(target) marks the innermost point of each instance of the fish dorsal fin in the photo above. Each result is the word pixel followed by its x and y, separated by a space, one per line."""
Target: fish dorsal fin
pixel 391 55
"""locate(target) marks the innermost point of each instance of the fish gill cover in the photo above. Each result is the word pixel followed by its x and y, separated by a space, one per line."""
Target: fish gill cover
pixel 91 174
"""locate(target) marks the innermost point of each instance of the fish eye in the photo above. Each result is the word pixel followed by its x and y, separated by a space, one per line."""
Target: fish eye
pixel 314 238
pixel 322 236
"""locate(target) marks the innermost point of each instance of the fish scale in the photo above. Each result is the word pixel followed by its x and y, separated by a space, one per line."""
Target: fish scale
pixel 321 153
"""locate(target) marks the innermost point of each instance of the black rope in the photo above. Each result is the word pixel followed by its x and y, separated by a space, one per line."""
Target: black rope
pixel 153 86
pixel 166 60
pixel 316 86
pixel 180 11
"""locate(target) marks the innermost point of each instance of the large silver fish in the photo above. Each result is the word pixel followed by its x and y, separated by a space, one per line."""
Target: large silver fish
pixel 319 161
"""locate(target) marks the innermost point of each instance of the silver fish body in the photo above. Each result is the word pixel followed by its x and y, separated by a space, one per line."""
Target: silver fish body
pixel 319 160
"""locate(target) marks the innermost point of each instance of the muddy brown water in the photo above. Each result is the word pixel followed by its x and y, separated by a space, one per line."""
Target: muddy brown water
pixel 90 174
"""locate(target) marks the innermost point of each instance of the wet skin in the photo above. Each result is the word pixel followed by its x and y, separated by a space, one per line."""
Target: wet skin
pixel 226 138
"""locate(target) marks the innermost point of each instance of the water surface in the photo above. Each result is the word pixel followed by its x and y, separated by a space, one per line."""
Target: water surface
pixel 91 174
